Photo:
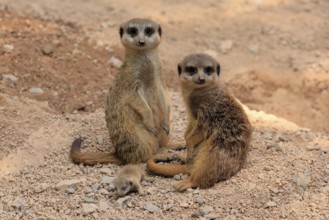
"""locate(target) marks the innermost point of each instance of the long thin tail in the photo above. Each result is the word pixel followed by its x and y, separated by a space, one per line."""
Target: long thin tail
pixel 167 170
pixel 90 158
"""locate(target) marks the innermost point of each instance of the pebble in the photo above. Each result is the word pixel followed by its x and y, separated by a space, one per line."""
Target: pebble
pixel 36 90
pixel 103 204
pixel 272 145
pixel 177 177
pixel 9 78
pixel 254 48
pixel 119 202
pixel 279 138
pixel 302 180
pixel 274 190
pixel 70 190
pixel 211 215
pixel 199 200
pixel 115 62
pixel 106 170
pixel 88 208
pixel 41 187
pixel 63 185
pixel 107 180
pixel 19 203
pixel 270 204
pixel 90 200
pixel 150 207
pixel 226 46
pixel 206 210
pixel 95 186
pixel 184 205
pixel 104 191
pixel 267 135
pixel 189 190
pixel 8 47
pixel 168 207
pixel 47 49
pixel 312 147
pixel 99 139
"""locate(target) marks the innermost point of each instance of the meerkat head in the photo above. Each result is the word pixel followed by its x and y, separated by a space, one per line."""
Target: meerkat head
pixel 198 70
pixel 123 186
pixel 140 34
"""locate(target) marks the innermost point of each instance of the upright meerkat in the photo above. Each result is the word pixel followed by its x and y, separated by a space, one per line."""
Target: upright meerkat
pixel 128 180
pixel 218 132
pixel 137 114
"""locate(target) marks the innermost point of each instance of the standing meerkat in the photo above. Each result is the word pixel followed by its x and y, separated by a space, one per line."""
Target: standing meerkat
pixel 137 114
pixel 128 180
pixel 218 132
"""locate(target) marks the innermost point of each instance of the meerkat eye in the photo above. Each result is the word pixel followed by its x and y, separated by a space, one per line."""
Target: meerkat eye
pixel 209 70
pixel 149 31
pixel 191 70
pixel 132 31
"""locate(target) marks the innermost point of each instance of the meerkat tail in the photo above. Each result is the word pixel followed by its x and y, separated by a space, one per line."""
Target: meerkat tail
pixel 168 170
pixel 90 158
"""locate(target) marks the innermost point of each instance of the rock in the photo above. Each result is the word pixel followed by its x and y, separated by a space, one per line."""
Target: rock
pixel 120 202
pixel 270 204
pixel 88 208
pixel 106 170
pixel 107 24
pixel 150 207
pixel 177 177
pixel 63 185
pixel 199 200
pixel 103 204
pixel 8 47
pixel 107 180
pixel 95 186
pixel 206 210
pixel 226 46
pixel 312 147
pixel 47 49
pixel 9 78
pixel 189 190
pixel 70 190
pixel 19 203
pixel 90 200
pixel 302 180
pixel 196 214
pixel 279 138
pixel 254 48
pixel 89 190
pixel 41 187
pixel 267 135
pixel 211 215
pixel 272 145
pixel 168 207
pixel 184 205
pixel 104 191
pixel 274 190
pixel 36 90
pixel 99 139
pixel 115 62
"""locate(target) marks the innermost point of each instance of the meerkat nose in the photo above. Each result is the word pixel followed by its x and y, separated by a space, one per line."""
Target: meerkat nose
pixel 141 42
pixel 202 80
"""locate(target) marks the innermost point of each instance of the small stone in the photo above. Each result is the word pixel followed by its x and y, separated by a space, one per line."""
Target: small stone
pixel 121 201
pixel 184 205
pixel 70 190
pixel 226 46
pixel 168 207
pixel 41 187
pixel 312 147
pixel 107 180
pixel 19 203
pixel 211 215
pixel 254 48
pixel 36 90
pixel 272 145
pixel 150 207
pixel 274 190
pixel 177 177
pixel 196 214
pixel 270 204
pixel 47 49
pixel 63 185
pixel 206 210
pixel 95 186
pixel 267 168
pixel 115 62
pixel 88 190
pixel 189 190
pixel 99 139
pixel 103 204
pixel 9 78
pixel 279 138
pixel 8 47
pixel 88 208
pixel 90 200
pixel 106 170
pixel 199 200
pixel 302 180
pixel 267 135
pixel 104 191
pixel 107 24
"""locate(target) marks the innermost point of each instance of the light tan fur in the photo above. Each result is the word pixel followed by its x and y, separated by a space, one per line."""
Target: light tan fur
pixel 218 132
pixel 128 180
pixel 137 114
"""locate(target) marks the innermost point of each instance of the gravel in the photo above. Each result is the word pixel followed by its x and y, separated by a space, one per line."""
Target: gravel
pixel 151 207
pixel 36 90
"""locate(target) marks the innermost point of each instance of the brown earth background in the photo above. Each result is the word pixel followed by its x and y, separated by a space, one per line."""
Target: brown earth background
pixel 56 67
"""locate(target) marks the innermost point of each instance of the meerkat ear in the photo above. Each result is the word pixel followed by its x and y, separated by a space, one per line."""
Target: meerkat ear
pixel 121 32
pixel 160 31
pixel 179 68
pixel 218 69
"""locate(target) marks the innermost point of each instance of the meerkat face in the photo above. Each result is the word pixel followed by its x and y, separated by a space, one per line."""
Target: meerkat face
pixel 198 70
pixel 140 34
pixel 123 186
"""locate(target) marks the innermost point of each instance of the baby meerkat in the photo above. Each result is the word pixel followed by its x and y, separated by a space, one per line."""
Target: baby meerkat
pixel 137 114
pixel 128 180
pixel 218 132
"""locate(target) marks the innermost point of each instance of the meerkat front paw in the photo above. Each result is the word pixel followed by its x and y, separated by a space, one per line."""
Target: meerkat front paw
pixel 183 185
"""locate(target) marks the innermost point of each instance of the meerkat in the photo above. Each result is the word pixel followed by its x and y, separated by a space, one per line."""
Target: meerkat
pixel 137 114
pixel 218 132
pixel 128 180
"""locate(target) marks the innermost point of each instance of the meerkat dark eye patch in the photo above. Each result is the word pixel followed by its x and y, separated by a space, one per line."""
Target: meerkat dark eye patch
pixel 132 31
pixel 149 31
pixel 191 70
pixel 160 31
pixel 121 32
pixel 179 68
pixel 209 70
pixel 218 69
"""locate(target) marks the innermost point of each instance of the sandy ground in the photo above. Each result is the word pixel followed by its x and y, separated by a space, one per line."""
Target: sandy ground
pixel 55 74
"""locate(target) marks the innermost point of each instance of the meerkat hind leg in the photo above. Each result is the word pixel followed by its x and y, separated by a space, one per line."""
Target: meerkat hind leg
pixel 184 185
